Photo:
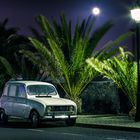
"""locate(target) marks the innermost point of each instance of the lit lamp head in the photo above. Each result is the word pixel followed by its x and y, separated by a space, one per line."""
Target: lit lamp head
pixel 135 14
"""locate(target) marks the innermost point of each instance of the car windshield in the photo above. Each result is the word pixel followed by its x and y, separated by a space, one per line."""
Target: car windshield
pixel 42 90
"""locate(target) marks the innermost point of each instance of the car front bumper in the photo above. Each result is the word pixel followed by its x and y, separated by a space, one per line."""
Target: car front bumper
pixel 59 117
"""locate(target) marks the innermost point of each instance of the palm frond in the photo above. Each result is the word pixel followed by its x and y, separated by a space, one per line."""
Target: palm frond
pixel 121 71
pixel 45 26
pixel 111 46
pixel 66 52
pixel 7 65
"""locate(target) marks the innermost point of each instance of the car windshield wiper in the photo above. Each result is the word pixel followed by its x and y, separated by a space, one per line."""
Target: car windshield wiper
pixel 43 95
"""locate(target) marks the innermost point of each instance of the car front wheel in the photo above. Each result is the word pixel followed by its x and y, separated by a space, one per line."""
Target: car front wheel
pixel 3 117
pixel 34 117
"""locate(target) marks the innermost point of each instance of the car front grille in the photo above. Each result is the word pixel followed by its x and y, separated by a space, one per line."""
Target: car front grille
pixel 59 110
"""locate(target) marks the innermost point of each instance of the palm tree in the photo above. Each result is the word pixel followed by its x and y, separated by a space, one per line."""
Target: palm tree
pixel 120 70
pixel 64 52
pixel 10 58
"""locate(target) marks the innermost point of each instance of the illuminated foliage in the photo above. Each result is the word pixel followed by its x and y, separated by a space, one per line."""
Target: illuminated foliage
pixel 62 52
pixel 121 70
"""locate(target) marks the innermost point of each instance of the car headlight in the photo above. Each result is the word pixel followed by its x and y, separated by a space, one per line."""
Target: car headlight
pixel 72 109
pixel 48 109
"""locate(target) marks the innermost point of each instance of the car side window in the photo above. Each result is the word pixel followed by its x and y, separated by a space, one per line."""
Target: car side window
pixel 21 92
pixel 12 90
pixel 5 91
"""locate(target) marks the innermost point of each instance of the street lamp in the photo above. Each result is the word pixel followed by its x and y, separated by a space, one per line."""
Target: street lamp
pixel 135 14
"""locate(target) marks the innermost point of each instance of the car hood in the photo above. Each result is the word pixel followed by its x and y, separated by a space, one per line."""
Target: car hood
pixel 53 101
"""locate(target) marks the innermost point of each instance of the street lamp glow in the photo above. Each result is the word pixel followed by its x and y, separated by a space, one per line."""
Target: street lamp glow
pixel 135 14
pixel 96 11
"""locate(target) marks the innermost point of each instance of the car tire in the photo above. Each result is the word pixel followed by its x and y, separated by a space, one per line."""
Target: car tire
pixel 3 117
pixel 34 117
pixel 70 122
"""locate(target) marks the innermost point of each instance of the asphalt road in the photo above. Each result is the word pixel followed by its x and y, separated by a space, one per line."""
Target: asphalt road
pixel 51 131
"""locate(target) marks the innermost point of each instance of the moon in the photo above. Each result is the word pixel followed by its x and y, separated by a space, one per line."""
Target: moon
pixel 96 11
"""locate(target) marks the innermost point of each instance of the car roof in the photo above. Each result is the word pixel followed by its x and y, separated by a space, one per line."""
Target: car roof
pixel 28 82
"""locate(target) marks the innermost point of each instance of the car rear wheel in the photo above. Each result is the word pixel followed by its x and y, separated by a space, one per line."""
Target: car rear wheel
pixel 3 117
pixel 70 122
pixel 34 117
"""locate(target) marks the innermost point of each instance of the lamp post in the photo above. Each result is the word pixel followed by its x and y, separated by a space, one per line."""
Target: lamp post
pixel 135 14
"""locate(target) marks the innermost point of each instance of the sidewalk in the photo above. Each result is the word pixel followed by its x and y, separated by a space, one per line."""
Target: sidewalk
pixel 113 122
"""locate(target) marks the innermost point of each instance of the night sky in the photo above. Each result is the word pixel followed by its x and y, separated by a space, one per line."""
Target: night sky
pixel 21 13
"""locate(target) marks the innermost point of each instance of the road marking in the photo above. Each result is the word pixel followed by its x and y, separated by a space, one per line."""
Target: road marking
pixel 37 130
pixel 72 134
pixel 114 139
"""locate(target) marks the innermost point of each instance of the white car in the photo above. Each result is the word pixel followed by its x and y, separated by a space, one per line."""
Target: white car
pixel 35 101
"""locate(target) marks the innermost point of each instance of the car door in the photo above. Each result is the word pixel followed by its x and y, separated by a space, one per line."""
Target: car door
pixel 10 99
pixel 20 103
